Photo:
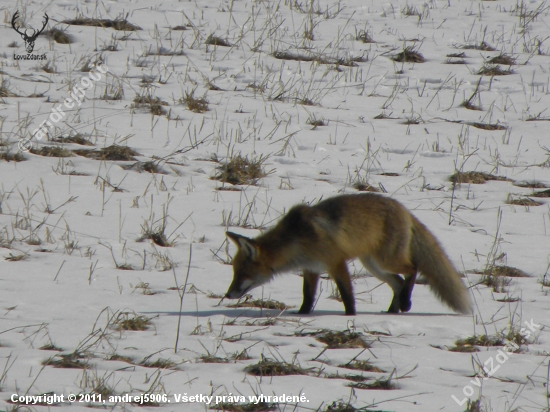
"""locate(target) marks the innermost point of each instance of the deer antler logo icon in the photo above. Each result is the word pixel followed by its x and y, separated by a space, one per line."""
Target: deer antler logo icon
pixel 29 40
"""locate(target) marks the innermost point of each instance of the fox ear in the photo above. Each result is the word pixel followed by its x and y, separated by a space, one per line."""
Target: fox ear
pixel 246 244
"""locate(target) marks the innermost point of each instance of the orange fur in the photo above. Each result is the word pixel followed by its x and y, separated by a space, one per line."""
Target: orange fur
pixel 377 230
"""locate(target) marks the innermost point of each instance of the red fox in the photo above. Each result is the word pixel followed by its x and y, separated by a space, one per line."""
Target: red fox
pixel 379 231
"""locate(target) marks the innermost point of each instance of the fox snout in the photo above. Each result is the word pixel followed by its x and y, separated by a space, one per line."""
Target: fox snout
pixel 238 289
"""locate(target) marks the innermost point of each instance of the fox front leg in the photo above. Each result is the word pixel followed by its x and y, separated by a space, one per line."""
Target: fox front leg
pixel 311 280
pixel 340 274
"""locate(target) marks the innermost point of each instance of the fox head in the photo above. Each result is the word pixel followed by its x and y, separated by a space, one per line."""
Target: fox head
pixel 249 268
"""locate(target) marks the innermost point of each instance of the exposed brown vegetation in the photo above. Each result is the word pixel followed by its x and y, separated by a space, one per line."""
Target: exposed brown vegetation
pixel 241 170
pixel 493 70
pixel 51 151
pixel 59 36
pixel 502 59
pixel 261 304
pixel 342 339
pixel 106 23
pixel 271 367
pixel 475 177
pixel 217 41
pixel 195 104
pixel 409 55
pixel 114 152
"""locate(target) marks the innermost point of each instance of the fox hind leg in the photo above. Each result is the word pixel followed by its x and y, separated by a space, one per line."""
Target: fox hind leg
pixel 401 297
pixel 396 282
pixel 406 292
pixel 311 280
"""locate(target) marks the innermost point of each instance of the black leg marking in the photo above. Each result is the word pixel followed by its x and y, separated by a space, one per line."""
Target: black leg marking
pixel 406 292
pixel 346 293
pixel 395 302
pixel 310 289
pixel 394 307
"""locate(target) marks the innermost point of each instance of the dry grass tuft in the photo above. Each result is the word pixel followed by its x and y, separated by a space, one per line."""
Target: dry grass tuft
pixel 217 41
pixel 341 406
pixel 5 89
pixel 469 345
pixel 16 258
pixel 342 339
pixel 378 384
pixel 51 151
pixel 318 58
pixel 534 185
pixel 508 299
pixel 542 193
pixel 12 157
pixel 213 359
pixel 454 61
pixel 70 361
pixel 229 189
pixel 480 46
pixel 409 55
pixel 162 51
pixel 522 201
pixel 497 283
pixel 113 152
pixel 158 363
pixel 488 126
pixel 456 58
pixel 364 37
pixel 49 67
pixel 149 167
pixel 272 367
pixel 120 358
pixel 76 139
pixel 301 57
pixel 245 407
pixel 50 346
pixel 260 303
pixel 503 270
pixel 383 116
pixel 117 24
pixel 195 104
pixel 475 177
pixel 136 323
pixel 502 59
pixel 154 104
pixel 313 121
pixel 348 377
pixel 59 36
pixel 364 187
pixel 467 104
pixel 493 70
pixel 362 365
pixel 240 170
pixel 156 235
pixel 460 55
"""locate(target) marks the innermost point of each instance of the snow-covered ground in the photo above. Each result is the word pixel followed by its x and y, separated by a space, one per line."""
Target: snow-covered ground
pixel 69 226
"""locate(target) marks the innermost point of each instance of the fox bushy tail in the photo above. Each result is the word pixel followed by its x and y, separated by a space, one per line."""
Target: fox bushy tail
pixel 434 264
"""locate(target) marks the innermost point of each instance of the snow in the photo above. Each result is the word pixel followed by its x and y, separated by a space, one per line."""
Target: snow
pixel 68 290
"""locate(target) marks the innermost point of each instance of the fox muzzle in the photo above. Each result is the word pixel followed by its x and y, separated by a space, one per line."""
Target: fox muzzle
pixel 237 290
